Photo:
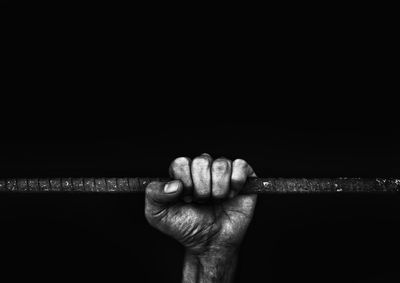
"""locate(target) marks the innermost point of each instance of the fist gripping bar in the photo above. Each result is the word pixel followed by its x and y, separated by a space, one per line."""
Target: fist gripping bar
pixel 253 185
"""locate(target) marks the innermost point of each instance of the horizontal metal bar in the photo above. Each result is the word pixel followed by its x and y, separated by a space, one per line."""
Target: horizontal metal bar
pixel 253 185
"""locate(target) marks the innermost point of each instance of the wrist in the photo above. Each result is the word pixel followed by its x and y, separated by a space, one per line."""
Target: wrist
pixel 213 253
pixel 214 265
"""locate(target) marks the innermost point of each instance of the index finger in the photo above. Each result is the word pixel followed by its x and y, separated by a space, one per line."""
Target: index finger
pixel 241 170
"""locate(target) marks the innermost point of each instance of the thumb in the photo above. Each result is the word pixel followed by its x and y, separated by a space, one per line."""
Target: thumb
pixel 160 194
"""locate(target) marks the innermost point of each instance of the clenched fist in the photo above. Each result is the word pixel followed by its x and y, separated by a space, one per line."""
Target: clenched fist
pixel 203 210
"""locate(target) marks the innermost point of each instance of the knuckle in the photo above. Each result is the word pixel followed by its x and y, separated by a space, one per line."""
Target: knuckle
pixel 180 162
pixel 221 164
pixel 201 161
pixel 179 167
pixel 240 163
pixel 149 189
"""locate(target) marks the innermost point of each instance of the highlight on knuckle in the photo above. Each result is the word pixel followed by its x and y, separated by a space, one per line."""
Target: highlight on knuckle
pixel 221 165
pixel 201 162
pixel 180 162
pixel 240 164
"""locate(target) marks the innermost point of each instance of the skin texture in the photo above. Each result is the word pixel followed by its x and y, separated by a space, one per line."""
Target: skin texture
pixel 203 210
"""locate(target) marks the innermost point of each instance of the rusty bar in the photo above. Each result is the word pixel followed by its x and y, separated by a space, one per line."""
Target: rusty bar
pixel 253 185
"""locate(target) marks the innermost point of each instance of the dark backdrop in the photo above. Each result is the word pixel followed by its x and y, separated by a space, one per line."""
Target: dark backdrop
pixel 90 237
pixel 100 90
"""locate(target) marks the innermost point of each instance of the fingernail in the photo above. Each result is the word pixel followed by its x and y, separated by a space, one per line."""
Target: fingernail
pixel 171 187
pixel 187 199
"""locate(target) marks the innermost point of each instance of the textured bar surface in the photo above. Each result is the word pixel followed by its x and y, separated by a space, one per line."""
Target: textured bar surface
pixel 253 185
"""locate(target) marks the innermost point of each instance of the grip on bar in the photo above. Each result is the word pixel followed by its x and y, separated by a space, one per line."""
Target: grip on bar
pixel 253 185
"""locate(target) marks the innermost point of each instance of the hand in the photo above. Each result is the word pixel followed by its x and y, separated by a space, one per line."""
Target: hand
pixel 202 208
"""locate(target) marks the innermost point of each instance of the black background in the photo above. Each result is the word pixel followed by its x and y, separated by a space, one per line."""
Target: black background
pixel 88 237
pixel 106 92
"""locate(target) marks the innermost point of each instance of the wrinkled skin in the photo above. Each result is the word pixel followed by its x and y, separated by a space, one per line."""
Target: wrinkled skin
pixel 202 207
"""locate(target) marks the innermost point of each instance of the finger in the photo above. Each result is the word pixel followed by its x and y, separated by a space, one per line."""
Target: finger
pixel 159 194
pixel 201 176
pixel 220 177
pixel 241 170
pixel 180 170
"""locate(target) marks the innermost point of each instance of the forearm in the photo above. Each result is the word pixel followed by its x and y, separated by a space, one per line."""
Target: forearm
pixel 215 267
